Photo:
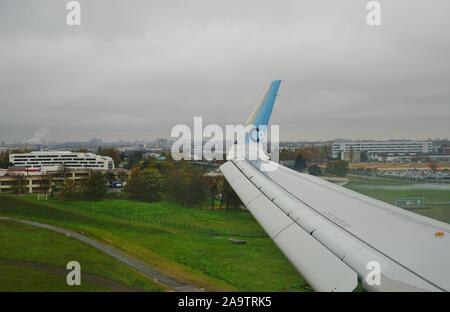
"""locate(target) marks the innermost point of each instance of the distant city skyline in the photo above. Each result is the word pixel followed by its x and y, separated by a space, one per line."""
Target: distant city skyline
pixel 133 71
pixel 100 141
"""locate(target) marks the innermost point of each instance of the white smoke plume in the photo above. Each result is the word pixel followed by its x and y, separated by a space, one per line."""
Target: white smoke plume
pixel 39 136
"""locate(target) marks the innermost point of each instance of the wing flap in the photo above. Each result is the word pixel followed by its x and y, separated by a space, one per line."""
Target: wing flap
pixel 320 267
pixel 403 242
pixel 332 234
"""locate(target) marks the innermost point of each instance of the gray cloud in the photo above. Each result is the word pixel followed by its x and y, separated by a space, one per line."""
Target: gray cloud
pixel 136 68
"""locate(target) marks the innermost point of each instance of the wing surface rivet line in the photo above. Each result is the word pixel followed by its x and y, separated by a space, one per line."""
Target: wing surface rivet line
pixel 282 230
pixel 257 196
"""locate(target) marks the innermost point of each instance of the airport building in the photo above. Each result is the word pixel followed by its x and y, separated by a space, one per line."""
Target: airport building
pixel 403 147
pixel 34 181
pixel 351 156
pixel 61 159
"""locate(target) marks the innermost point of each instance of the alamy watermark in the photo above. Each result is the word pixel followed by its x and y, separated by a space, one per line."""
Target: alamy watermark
pixel 373 18
pixel 73 17
pixel 73 278
pixel 233 142
pixel 373 277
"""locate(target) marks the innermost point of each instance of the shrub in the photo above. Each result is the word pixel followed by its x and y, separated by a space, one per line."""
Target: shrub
pixel 94 187
pixel 314 170
pixel 145 184
pixel 338 168
pixel 187 186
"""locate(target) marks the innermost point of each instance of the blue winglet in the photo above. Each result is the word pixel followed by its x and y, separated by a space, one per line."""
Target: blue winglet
pixel 261 114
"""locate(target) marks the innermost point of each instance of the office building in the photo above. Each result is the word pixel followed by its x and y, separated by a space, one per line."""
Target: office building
pixel 401 147
pixel 62 159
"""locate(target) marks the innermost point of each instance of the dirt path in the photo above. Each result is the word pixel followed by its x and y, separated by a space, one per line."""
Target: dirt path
pixel 158 277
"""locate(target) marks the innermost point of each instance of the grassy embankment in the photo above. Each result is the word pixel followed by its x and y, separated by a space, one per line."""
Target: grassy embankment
pixel 33 259
pixel 189 243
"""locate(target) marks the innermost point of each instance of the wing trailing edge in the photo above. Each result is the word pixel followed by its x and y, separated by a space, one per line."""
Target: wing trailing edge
pixel 331 234
pixel 323 270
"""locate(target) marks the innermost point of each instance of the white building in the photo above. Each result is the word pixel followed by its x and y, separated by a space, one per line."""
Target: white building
pixel 403 147
pixel 66 159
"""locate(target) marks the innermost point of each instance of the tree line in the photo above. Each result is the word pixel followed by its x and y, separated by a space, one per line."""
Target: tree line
pixel 179 181
pixel 153 180
pixel 306 159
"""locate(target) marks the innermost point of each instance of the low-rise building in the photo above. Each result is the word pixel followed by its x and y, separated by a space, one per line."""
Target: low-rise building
pixel 394 147
pixel 37 181
pixel 62 159
pixel 351 156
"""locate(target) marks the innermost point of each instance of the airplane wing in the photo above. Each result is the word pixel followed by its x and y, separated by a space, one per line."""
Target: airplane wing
pixel 336 237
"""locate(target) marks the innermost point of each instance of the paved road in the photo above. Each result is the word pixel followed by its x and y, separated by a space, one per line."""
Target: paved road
pixel 142 267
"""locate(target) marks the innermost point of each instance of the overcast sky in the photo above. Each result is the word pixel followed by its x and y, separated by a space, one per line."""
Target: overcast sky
pixel 134 69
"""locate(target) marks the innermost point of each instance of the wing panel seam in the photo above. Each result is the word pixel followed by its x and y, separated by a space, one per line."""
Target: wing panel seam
pixel 348 232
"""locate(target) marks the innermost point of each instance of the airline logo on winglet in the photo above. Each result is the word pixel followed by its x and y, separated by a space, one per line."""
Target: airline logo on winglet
pixel 250 141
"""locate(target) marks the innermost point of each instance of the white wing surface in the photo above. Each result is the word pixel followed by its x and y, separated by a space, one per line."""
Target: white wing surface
pixel 335 236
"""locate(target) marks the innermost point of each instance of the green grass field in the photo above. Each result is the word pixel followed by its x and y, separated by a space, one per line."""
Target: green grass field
pixel 437 198
pixel 13 278
pixel 189 243
pixel 44 253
